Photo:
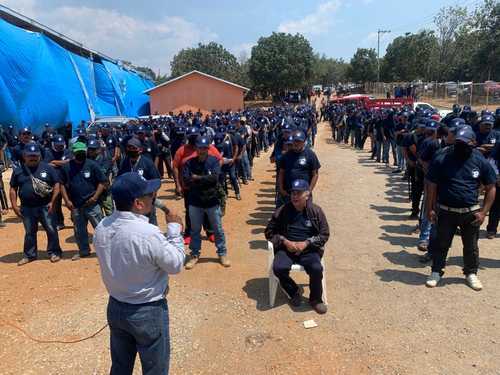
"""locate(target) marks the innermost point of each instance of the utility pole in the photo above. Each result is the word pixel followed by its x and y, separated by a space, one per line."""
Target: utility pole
pixel 378 50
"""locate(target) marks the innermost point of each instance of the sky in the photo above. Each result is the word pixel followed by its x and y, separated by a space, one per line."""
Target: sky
pixel 150 33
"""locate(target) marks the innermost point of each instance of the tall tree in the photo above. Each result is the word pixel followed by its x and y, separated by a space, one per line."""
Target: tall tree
pixel 327 71
pixel 363 67
pixel 449 22
pixel 280 62
pixel 410 57
pixel 211 58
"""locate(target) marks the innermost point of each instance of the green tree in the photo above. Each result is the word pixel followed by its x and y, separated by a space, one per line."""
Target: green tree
pixel 211 58
pixel 449 22
pixel 328 70
pixel 410 57
pixel 485 26
pixel 280 62
pixel 363 66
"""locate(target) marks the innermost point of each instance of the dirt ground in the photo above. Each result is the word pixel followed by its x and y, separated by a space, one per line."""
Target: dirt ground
pixel 381 319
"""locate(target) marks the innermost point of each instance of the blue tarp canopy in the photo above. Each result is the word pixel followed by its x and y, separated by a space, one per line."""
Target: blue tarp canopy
pixel 42 82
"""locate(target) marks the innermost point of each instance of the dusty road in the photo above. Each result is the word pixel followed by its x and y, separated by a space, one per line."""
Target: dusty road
pixel 382 319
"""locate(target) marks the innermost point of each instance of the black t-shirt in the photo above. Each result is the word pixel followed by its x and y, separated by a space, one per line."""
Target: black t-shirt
pixel 458 182
pixel 21 181
pixel 300 227
pixel 144 166
pixel 299 165
pixel 81 180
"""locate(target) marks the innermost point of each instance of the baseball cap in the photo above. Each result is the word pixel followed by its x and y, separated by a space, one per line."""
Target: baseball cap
pixel 289 140
pixel 79 147
pixel 487 119
pixel 192 130
pixel 465 135
pixel 132 185
pixel 93 143
pixel 135 142
pixel 58 140
pixel 299 185
pixel 32 149
pixel 299 136
pixel 202 142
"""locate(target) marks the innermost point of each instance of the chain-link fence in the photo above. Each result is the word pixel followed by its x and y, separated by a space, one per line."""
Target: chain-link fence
pixel 444 94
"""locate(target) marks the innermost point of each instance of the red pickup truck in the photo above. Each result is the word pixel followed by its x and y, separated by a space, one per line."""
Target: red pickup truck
pixel 370 102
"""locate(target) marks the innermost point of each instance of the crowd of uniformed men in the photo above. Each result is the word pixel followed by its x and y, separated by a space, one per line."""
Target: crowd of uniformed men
pixel 448 163
pixel 205 156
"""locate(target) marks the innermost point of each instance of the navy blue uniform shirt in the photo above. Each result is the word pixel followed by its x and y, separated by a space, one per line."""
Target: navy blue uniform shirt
pixel 81 180
pixel 457 181
pixel 21 181
pixel 204 191
pixel 144 166
pixel 299 165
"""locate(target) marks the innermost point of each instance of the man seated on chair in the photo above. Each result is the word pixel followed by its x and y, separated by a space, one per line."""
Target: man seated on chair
pixel 298 231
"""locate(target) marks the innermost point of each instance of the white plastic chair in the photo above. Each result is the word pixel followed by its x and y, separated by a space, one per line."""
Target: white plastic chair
pixel 274 281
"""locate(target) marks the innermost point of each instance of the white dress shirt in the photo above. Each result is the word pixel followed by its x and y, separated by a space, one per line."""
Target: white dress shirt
pixel 136 257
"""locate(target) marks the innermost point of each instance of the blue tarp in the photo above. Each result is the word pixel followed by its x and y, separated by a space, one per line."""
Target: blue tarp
pixel 41 82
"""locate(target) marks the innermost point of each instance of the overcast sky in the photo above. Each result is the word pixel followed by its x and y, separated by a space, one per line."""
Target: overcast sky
pixel 151 32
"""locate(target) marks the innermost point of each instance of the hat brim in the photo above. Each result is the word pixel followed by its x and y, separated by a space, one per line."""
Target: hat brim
pixel 463 139
pixel 152 186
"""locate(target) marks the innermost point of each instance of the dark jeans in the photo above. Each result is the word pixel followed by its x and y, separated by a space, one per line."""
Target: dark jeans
pixel 165 160
pixel 494 217
pixel 187 229
pixel 31 217
pixel 311 262
pixel 139 328
pixel 81 217
pixel 197 216
pixel 58 214
pixel 229 170
pixel 417 188
pixel 446 228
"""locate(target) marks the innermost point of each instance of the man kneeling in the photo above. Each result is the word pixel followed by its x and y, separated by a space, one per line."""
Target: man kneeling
pixel 298 231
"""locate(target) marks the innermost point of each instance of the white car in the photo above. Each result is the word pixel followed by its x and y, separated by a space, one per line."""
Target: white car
pixel 426 106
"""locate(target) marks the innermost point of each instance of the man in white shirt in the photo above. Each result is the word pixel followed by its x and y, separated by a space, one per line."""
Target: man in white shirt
pixel 135 260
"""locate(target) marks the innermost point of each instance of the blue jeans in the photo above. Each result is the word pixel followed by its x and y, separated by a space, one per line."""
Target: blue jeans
pixel 81 217
pixel 139 328
pixel 388 143
pixel 215 219
pixel 244 167
pixel 401 158
pixel 31 217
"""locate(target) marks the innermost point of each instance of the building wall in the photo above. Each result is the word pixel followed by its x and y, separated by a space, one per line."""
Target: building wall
pixel 195 92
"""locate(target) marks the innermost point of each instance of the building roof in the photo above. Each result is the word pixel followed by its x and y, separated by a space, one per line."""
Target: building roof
pixel 201 73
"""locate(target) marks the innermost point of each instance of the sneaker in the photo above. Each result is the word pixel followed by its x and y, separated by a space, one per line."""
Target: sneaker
pixel 55 258
pixel 473 281
pixel 24 261
pixel 245 182
pixel 224 261
pixel 187 240
pixel 397 171
pixel 490 235
pixel 238 197
pixel 192 262
pixel 320 308
pixel 422 246
pixel 60 227
pixel 211 238
pixel 296 300
pixel 433 279
pixel 78 256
